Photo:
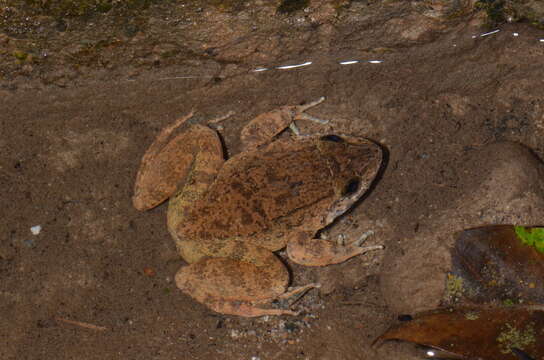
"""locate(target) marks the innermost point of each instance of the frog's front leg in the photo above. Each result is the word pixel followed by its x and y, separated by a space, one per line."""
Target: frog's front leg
pixel 318 252
pixel 265 127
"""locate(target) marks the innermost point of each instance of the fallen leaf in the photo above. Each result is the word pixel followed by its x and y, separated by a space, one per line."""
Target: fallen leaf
pixel 493 264
pixel 476 332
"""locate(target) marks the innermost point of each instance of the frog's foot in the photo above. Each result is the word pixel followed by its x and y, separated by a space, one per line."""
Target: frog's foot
pixel 317 252
pixel 299 112
pixel 215 122
pixel 300 290
pixel 195 153
pixel 245 309
pixel 163 137
pixel 266 126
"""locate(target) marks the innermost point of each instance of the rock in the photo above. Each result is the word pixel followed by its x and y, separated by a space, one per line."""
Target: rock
pixel 510 190
pixel 530 10
pixel 413 28
pixel 444 9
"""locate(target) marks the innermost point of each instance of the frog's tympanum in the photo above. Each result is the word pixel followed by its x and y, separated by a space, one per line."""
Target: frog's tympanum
pixel 228 217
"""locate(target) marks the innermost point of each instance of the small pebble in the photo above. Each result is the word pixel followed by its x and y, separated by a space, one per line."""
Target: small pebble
pixel 29 242
pixel 149 271
pixel 35 230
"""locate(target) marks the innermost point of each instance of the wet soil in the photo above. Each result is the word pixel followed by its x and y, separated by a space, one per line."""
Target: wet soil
pixel 73 136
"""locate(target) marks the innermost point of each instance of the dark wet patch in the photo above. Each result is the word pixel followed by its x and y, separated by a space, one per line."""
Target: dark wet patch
pixel 289 6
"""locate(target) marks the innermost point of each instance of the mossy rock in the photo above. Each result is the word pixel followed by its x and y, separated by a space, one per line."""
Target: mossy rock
pixel 501 11
pixel 76 8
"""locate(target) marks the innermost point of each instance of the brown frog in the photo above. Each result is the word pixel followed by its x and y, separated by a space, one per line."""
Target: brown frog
pixel 228 217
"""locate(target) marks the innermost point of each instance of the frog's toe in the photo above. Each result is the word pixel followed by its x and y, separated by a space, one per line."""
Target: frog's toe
pixel 311 104
pixel 304 116
pixel 301 115
pixel 299 291
pixel 363 237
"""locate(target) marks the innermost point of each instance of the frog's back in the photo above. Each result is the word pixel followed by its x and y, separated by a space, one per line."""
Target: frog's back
pixel 255 191
pixel 285 186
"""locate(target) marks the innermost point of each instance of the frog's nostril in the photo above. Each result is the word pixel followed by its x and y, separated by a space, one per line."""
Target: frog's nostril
pixel 333 138
pixel 351 187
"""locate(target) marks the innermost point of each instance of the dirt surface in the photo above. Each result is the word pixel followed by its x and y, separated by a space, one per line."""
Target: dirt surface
pixel 446 103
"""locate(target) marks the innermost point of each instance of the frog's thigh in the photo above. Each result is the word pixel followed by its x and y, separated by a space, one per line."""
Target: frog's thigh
pixel 308 251
pixel 256 250
pixel 165 166
pixel 226 279
pixel 233 287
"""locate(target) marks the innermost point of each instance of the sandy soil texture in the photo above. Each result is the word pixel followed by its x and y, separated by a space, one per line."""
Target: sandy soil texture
pixel 459 114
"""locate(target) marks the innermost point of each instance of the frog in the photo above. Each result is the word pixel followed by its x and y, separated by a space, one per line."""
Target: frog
pixel 230 217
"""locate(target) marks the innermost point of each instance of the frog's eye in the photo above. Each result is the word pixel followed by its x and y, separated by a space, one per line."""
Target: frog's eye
pixel 333 138
pixel 351 187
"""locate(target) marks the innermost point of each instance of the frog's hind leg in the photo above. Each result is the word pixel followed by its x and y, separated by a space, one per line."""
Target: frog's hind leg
pixel 233 277
pixel 168 163
pixel 318 252
pixel 232 285
pixel 237 288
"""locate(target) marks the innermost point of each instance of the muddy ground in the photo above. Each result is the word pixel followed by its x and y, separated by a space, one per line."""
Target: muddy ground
pixel 442 102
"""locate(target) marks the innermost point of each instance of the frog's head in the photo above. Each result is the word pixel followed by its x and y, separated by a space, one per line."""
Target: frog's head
pixel 353 164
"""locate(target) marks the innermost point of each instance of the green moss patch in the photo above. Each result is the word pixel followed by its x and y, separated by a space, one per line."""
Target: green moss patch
pixel 531 237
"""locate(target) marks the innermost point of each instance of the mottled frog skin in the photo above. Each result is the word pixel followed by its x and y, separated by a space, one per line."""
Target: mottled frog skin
pixel 228 217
